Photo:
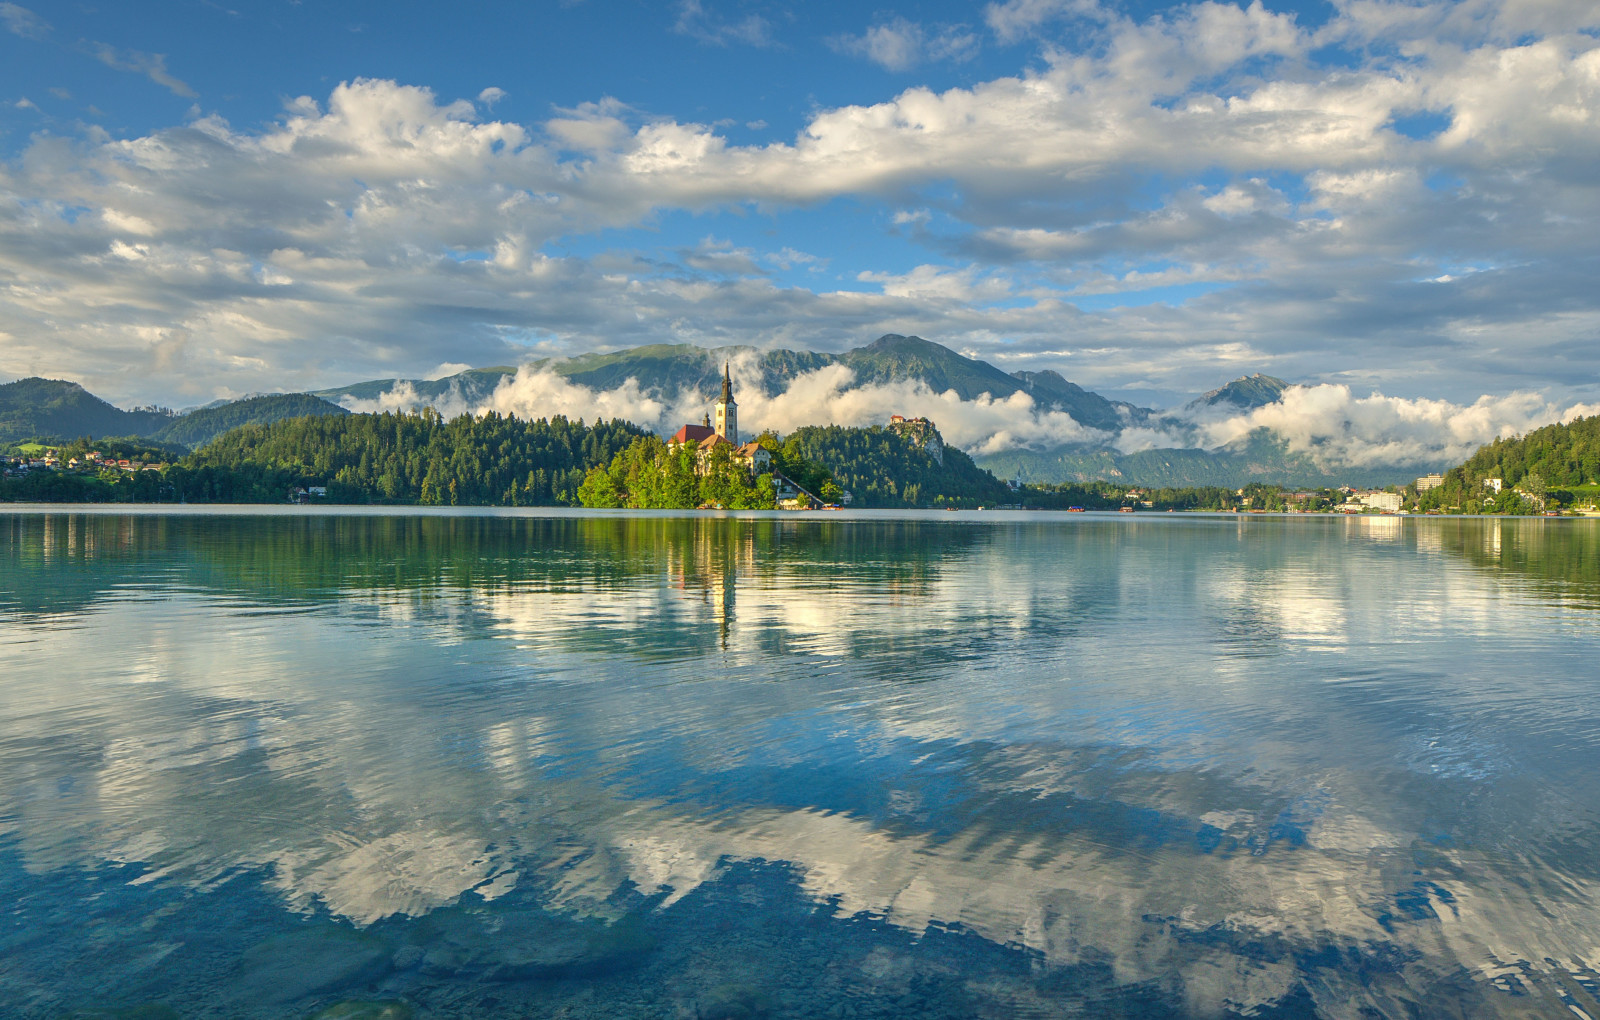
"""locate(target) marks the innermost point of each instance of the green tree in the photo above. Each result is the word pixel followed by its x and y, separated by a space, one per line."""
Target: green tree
pixel 598 490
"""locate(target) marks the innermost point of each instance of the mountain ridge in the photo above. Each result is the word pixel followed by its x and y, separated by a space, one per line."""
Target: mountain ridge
pixel 675 369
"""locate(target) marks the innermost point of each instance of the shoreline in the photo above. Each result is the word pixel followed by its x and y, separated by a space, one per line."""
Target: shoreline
pixel 848 514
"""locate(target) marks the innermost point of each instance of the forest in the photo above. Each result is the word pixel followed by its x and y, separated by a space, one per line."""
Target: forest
pixel 487 460
pixel 883 468
pixel 1553 465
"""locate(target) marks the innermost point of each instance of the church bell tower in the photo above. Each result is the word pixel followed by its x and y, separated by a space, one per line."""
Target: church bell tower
pixel 727 410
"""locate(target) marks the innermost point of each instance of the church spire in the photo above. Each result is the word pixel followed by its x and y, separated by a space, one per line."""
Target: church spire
pixel 727 409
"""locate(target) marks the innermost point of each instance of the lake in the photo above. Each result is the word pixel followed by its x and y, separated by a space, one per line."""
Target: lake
pixel 283 763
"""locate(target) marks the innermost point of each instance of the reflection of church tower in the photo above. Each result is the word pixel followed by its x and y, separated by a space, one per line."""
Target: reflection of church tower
pixel 727 410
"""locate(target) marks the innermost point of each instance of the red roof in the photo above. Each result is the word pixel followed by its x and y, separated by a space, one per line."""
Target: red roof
pixel 693 434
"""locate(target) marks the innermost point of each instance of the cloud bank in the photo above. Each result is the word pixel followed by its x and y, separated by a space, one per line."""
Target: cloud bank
pixel 1328 422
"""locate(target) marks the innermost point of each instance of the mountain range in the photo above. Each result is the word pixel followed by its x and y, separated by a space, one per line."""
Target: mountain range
pixel 45 408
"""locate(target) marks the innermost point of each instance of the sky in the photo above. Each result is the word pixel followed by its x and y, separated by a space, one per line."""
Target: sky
pixel 202 199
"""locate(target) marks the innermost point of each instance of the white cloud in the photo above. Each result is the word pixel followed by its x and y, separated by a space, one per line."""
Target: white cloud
pixel 1336 427
pixel 827 395
pixel 151 65
pixel 696 21
pixel 1328 422
pixel 1015 19
pixel 540 393
pixel 491 95
pixel 900 45
pixel 21 21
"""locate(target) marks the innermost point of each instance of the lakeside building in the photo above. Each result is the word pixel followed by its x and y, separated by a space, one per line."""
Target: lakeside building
pixel 1494 483
pixel 1427 482
pixel 1376 499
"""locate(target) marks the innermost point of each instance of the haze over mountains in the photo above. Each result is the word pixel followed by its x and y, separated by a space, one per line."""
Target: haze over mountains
pixel 1030 425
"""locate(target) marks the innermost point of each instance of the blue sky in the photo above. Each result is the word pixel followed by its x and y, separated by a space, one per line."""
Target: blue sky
pixel 202 199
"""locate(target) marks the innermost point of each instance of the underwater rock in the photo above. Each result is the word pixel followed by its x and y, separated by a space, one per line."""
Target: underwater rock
pixel 518 946
pixel 734 1002
pixel 292 966
pixel 388 1009
pixel 407 957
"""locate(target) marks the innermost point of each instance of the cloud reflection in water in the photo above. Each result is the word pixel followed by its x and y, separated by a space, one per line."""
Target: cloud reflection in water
pixel 1228 760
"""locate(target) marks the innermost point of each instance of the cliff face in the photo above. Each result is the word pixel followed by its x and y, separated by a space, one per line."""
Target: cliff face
pixel 922 432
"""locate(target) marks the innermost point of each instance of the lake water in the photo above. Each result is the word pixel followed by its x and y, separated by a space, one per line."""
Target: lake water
pixel 289 764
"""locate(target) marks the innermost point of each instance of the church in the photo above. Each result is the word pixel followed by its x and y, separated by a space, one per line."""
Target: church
pixel 706 438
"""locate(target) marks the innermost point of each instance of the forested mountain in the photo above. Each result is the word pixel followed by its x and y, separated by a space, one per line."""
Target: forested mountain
pixel 404 458
pixel 1556 457
pixel 472 387
pixel 55 409
pixel 1561 454
pixel 882 468
pixel 197 428
pixel 51 409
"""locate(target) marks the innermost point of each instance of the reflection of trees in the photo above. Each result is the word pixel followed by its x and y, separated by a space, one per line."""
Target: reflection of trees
pixel 535 566
pixel 1556 558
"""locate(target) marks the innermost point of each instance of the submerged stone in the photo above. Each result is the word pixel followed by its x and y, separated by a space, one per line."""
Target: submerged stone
pixel 518 946
pixel 388 1009
pixel 293 966
pixel 734 1002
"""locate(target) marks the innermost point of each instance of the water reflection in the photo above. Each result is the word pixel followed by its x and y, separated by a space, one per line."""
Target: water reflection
pixel 1164 766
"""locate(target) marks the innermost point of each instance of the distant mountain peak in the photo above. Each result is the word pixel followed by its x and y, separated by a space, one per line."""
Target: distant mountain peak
pixel 1245 392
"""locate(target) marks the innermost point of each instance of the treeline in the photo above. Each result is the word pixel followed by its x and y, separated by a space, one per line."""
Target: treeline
pixel 106 487
pixel 489 460
pixel 1114 495
pixel 1539 469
